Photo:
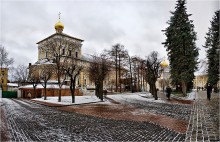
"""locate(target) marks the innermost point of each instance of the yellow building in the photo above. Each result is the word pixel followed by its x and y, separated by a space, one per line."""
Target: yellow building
pixel 67 45
pixel 4 78
pixel 200 81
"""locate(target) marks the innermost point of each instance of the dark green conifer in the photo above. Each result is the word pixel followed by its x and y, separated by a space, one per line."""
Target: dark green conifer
pixel 181 47
pixel 212 46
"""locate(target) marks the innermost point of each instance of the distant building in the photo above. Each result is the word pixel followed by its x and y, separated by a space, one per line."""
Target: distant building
pixel 200 81
pixel 201 75
pixel 164 79
pixel 27 91
pixel 3 78
pixel 12 86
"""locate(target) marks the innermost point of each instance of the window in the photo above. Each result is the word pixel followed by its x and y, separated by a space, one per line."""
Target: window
pixel 63 51
pixel 84 81
pixel 76 54
pixel 70 52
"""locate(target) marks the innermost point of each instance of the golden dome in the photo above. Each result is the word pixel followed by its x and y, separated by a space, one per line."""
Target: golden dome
pixel 164 63
pixel 59 25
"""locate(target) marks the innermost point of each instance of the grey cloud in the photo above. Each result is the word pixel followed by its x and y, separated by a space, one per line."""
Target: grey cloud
pixel 136 24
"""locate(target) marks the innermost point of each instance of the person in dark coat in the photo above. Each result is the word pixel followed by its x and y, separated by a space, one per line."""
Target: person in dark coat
pixel 209 91
pixel 168 92
pixel 105 92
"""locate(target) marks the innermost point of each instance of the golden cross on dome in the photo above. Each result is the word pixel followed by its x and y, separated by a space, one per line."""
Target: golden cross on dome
pixel 59 15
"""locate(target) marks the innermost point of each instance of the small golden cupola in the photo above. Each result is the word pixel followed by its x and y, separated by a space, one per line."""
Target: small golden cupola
pixel 59 26
pixel 164 64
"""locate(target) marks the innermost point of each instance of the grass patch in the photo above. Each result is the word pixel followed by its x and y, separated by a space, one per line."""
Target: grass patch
pixel 177 93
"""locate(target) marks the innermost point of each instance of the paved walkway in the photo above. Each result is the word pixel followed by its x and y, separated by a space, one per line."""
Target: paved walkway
pixel 204 120
pixel 28 121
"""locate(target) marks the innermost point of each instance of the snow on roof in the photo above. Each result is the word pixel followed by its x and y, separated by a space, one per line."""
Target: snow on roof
pixel 12 84
pixel 52 81
pixel 44 61
pixel 49 86
pixel 87 57
pixel 60 34
pixel 203 66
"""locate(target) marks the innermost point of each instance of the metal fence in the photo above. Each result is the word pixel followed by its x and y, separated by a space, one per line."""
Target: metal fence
pixel 9 94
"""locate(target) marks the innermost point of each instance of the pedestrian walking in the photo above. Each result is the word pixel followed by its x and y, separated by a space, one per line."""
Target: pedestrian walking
pixel 209 91
pixel 168 92
pixel 105 92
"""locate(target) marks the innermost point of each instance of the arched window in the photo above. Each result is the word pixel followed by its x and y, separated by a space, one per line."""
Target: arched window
pixel 70 53
pixel 76 54
pixel 84 81
pixel 63 51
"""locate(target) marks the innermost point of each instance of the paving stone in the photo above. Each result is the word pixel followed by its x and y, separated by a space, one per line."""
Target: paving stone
pixel 204 119
pixel 32 122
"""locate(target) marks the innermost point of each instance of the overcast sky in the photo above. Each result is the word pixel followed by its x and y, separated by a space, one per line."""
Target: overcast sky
pixel 136 24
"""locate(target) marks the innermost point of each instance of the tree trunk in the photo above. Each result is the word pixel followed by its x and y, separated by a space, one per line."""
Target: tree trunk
pixel 116 73
pixel 131 85
pixel 184 88
pixel 153 90
pixel 72 89
pixel 34 91
pixel 45 93
pixel 72 93
pixel 101 90
pixel 119 72
pixel 138 73
pixel 97 90
pixel 59 97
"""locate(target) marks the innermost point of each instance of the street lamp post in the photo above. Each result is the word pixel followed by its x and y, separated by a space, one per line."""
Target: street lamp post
pixel 163 64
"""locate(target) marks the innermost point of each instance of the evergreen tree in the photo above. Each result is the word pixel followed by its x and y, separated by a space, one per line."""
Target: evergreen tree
pixel 212 44
pixel 181 47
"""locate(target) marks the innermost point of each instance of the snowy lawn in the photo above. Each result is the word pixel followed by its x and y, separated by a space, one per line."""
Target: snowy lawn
pixel 143 96
pixel 190 96
pixel 67 100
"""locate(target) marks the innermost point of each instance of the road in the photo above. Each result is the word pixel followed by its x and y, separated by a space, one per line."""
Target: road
pixel 28 121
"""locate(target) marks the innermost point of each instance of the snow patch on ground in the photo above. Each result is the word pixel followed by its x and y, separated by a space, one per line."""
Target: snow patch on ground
pixel 192 95
pixel 143 96
pixel 67 100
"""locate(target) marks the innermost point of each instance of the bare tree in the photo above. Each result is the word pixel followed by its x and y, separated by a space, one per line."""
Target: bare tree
pixel 98 70
pixel 130 67
pixel 121 64
pixel 34 78
pixel 117 54
pixel 5 61
pixel 153 72
pixel 45 75
pixel 72 68
pixel 20 74
pixel 56 52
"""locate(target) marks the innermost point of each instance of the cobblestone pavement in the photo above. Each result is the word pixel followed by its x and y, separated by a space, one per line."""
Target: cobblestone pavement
pixel 28 121
pixel 171 108
pixel 128 112
pixel 204 121
pixel 3 125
